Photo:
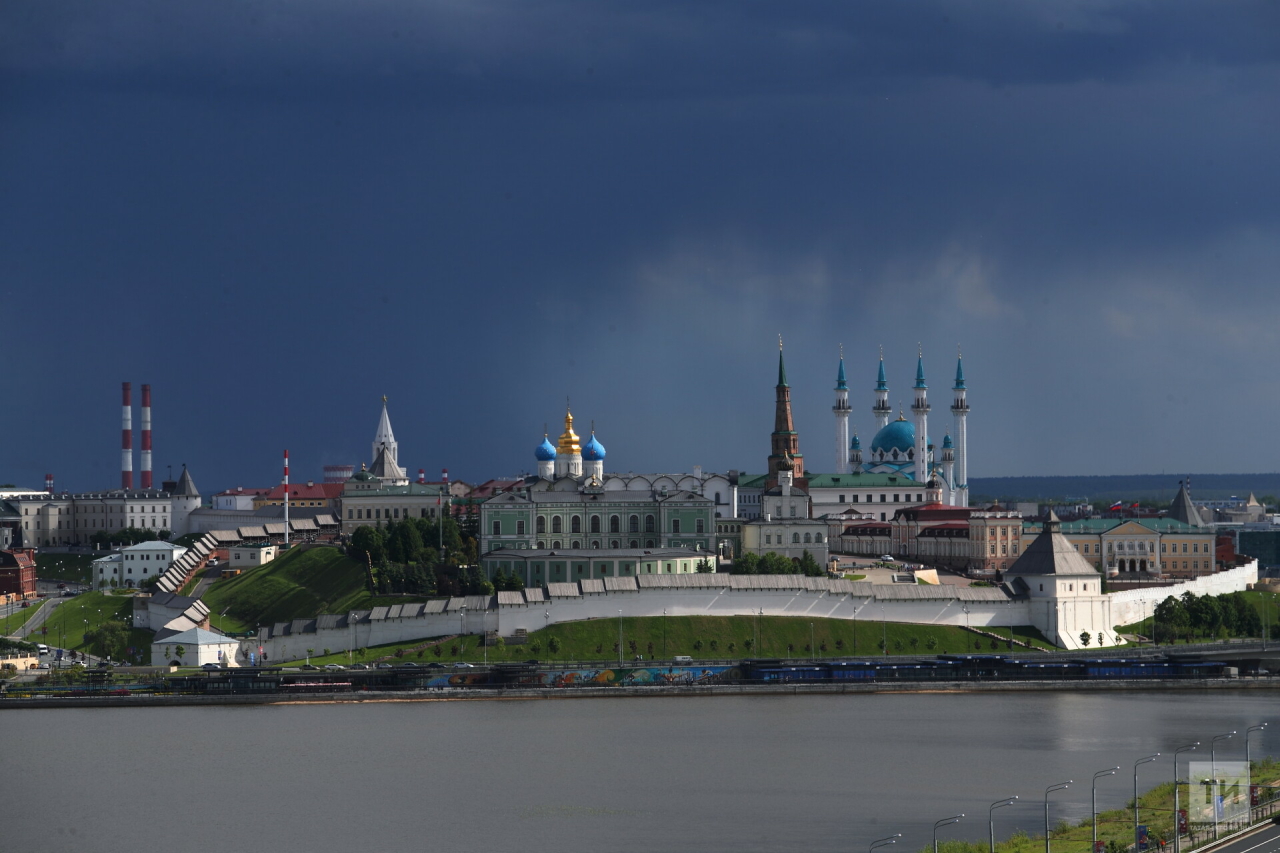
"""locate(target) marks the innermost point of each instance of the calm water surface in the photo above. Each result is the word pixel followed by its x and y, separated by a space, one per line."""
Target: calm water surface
pixel 774 773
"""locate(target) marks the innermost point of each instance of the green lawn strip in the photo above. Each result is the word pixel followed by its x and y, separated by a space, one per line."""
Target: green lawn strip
pixel 190 586
pixel 74 568
pixel 11 624
pixel 1155 811
pixel 580 640
pixel 66 624
pixel 298 585
pixel 855 577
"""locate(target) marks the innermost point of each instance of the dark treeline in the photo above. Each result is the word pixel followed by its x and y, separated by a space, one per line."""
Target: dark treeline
pixel 1207 616
pixel 775 564
pixel 415 556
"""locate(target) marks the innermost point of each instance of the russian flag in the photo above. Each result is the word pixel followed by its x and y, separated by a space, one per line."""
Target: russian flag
pixel 1118 505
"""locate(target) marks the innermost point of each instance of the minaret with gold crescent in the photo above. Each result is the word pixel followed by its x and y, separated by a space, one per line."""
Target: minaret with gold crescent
pixel 568 450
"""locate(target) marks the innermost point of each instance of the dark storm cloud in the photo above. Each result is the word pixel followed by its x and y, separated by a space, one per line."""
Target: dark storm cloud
pixel 479 208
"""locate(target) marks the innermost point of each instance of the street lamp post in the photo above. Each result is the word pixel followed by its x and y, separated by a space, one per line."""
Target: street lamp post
pixel 1248 764
pixel 1213 770
pixel 944 822
pixel 1093 799
pixel 1140 761
pixel 884 842
pixel 813 650
pixel 991 819
pixel 1176 811
pixel 884 631
pixel 619 638
pixel 1047 792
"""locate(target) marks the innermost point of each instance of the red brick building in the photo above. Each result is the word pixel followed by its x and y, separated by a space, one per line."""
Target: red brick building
pixel 18 572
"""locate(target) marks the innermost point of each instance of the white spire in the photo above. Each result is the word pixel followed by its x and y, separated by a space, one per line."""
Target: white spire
pixel 384 437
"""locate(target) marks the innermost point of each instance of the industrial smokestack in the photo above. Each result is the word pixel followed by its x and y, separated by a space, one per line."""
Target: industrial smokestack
pixel 286 498
pixel 126 441
pixel 48 483
pixel 146 436
pixel 422 475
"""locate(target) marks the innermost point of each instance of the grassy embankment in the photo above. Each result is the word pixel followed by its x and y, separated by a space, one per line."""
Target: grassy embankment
pixel 70 619
pixel 1267 605
pixel 74 568
pixel 10 624
pixel 780 636
pixel 1155 809
pixel 299 585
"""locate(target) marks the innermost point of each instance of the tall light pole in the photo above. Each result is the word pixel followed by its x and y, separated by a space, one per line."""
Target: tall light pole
pixel 813 650
pixel 1176 812
pixel 884 842
pixel 944 822
pixel 991 818
pixel 619 638
pixel 1248 763
pixel 1093 799
pixel 884 631
pixel 1047 792
pixel 1213 767
pixel 1140 761
pixel 664 633
pixel 462 625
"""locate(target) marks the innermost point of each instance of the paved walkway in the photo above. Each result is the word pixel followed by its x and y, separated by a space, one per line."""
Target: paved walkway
pixel 37 619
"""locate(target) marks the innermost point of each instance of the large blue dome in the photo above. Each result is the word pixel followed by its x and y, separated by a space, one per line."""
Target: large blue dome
pixel 898 435
pixel 546 451
pixel 593 450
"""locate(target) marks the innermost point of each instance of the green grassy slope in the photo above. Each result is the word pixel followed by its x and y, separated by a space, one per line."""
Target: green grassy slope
pixel 64 567
pixel 67 624
pixel 594 639
pixel 298 585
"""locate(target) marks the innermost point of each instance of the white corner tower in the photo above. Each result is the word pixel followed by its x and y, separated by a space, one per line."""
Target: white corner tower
pixel 841 410
pixel 881 408
pixel 960 411
pixel 920 409
pixel 384 437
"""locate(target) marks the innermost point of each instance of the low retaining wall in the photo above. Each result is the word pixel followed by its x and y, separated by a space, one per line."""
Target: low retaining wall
pixel 1134 605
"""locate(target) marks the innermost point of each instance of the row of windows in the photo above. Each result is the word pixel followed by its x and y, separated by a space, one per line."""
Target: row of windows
pixel 1004 549
pixel 809 539
pixel 595 543
pixel 615 524
pixel 389 513
pixel 884 498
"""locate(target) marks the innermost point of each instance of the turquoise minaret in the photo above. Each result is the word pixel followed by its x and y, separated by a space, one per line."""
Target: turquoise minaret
pixel 881 409
pixel 920 409
pixel 960 412
pixel 855 454
pixel 841 410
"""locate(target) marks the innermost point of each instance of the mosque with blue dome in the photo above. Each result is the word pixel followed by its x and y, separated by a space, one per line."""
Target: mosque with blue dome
pixel 903 446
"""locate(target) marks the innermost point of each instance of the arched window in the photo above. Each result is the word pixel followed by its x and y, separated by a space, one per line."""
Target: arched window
pixel 555 544
pixel 497 528
pixel 648 543
pixel 541 544
pixel 615 525
pixel 633 525
pixel 575 544
pixel 556 525
pixel 675 525
pixel 795 538
pixel 634 543
pixel 817 537
pixel 613 543
pixel 807 540
pixel 541 524
pixel 717 497
pixel 648 524
pixel 699 526
pixel 595 524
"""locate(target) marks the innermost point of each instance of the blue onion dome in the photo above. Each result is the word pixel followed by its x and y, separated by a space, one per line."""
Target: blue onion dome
pixel 946 440
pixel 593 450
pixel 856 444
pixel 546 451
pixel 898 435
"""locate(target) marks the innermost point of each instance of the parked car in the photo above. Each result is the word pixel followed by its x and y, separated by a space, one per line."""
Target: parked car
pixel 385 665
pixel 309 666
pixel 211 667
pixel 464 665
pixel 886 558
pixel 361 666
pixel 62 586
pixel 435 666
pixel 333 667
pixel 410 663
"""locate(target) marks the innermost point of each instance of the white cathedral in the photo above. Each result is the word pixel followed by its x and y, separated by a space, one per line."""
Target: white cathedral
pixel 901 445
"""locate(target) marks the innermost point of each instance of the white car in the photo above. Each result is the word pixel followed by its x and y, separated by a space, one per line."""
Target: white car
pixel 334 667
pixel 886 558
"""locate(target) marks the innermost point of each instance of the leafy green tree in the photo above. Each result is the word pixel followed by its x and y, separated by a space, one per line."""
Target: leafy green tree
pixel 111 638
pixel 697 645
pixel 704 566
pixel 535 647
pixel 808 566
pixel 1084 638
pixel 747 564
pixel 774 563
pixel 931 643
pixel 553 645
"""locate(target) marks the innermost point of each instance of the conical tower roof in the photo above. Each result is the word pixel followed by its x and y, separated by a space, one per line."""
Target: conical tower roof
pixel 384 435
pixel 920 372
pixel 1051 553
pixel 1183 510
pixel 841 384
pixel 881 384
pixel 960 374
pixel 186 486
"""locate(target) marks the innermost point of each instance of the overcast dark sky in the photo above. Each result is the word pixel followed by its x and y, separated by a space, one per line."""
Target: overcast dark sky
pixel 275 213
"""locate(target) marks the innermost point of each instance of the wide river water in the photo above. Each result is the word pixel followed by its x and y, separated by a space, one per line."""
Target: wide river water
pixel 760 773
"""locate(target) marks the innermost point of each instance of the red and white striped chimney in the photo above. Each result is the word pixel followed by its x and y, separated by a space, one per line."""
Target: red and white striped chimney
pixel 146 436
pixel 126 441
pixel 48 483
pixel 422 475
pixel 286 498
pixel 444 476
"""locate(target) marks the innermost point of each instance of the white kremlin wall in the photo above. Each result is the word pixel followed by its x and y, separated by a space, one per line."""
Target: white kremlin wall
pixel 715 595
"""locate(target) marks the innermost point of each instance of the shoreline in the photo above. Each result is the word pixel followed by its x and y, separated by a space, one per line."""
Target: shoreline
pixel 523 694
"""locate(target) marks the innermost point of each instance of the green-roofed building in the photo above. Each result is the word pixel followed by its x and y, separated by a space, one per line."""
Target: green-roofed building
pixel 1134 547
